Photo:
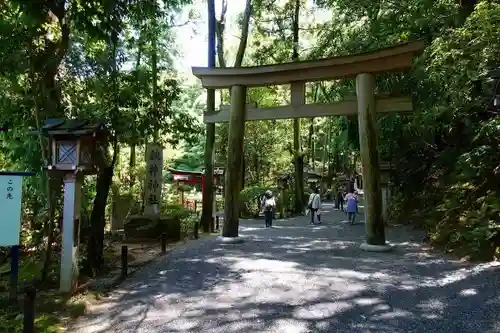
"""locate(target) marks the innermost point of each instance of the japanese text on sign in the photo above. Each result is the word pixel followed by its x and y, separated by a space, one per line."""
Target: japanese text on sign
pixel 10 189
pixel 154 167
pixel 10 206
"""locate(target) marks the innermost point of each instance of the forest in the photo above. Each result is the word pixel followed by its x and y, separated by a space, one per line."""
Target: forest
pixel 112 61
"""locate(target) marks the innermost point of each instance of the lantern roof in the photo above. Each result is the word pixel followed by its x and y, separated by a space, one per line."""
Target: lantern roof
pixel 76 127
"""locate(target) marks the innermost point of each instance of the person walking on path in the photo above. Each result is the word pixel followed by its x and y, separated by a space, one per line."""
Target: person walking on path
pixel 351 205
pixel 268 205
pixel 339 200
pixel 314 204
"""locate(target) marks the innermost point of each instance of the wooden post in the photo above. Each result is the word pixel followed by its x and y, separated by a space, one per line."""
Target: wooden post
pixel 29 311
pixel 234 162
pixel 71 233
pixel 14 272
pixel 375 234
pixel 196 228
pixel 124 259
pixel 164 243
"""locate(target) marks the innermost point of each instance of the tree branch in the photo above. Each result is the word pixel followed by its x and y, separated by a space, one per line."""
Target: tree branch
pixel 219 30
pixel 244 34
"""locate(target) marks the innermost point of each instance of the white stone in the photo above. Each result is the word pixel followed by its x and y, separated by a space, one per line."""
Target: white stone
pixel 375 248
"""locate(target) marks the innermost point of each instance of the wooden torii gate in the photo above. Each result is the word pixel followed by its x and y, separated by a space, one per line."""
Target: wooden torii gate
pixel 363 67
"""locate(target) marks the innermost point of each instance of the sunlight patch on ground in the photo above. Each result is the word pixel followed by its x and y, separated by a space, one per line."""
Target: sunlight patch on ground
pixel 459 274
pixel 321 310
pixel 366 301
pixel 468 292
pixel 265 264
pixel 431 305
pixel 394 314
pixel 290 326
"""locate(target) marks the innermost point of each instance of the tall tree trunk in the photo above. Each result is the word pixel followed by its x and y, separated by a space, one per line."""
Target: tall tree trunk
pixel 154 75
pixel 326 148
pixel 298 153
pixel 131 166
pixel 208 188
pixel 257 167
pixel 311 144
pixel 133 145
pixel 243 168
pixel 45 65
pixel 95 244
pixel 220 27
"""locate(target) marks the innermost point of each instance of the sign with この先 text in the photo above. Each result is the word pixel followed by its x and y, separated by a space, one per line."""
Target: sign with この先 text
pixel 10 208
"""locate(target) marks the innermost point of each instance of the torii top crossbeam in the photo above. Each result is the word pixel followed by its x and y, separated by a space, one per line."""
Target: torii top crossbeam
pixel 392 59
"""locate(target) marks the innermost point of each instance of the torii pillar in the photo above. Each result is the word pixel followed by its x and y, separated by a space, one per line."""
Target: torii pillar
pixel 370 161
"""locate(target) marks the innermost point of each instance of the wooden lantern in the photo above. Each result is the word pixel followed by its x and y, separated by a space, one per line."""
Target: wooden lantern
pixel 283 181
pixel 385 173
pixel 74 148
pixel 218 176
pixel 74 145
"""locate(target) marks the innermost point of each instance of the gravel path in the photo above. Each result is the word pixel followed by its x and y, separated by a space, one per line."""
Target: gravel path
pixel 298 278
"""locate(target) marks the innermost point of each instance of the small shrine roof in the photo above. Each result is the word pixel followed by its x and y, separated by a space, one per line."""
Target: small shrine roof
pixel 61 126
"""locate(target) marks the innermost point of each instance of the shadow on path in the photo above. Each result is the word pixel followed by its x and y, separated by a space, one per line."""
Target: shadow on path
pixel 301 278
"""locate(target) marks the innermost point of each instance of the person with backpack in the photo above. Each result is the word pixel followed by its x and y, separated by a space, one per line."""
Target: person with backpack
pixel 268 205
pixel 314 205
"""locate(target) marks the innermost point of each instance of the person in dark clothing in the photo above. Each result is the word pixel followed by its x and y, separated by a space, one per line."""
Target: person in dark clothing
pixel 340 200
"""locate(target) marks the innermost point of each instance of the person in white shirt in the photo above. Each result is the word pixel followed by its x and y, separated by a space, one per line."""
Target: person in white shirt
pixel 314 205
pixel 268 204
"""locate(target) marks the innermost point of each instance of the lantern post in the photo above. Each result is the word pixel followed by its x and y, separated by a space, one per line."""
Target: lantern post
pixel 75 148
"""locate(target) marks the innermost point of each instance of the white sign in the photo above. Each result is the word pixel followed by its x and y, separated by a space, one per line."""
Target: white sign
pixel 10 207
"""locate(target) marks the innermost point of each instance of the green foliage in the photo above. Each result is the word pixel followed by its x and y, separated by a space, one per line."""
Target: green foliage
pixel 175 210
pixel 250 200
pixel 187 218
pixel 449 176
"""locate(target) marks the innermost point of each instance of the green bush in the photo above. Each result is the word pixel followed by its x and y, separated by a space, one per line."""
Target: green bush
pixel 249 200
pixel 219 203
pixel 188 224
pixel 175 210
